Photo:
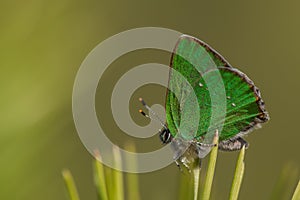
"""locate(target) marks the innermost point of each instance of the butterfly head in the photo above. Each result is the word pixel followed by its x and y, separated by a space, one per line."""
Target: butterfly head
pixel 165 135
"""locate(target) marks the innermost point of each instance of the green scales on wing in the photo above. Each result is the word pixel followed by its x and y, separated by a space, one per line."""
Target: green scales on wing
pixel 201 66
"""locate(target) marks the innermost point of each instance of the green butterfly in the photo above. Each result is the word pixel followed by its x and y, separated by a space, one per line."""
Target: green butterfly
pixel 200 81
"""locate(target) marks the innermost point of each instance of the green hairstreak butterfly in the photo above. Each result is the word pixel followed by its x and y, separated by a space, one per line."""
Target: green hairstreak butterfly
pixel 244 107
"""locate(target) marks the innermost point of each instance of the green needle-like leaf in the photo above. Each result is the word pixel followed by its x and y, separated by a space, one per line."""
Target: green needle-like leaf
pixel 296 195
pixel 118 175
pixel 100 178
pixel 238 176
pixel 196 172
pixel 211 170
pixel 108 173
pixel 132 178
pixel 283 187
pixel 70 184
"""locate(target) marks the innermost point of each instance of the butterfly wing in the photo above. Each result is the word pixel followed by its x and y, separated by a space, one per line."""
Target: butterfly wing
pixel 245 107
pixel 199 64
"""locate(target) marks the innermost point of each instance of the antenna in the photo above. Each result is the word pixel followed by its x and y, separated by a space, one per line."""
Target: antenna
pixel 155 117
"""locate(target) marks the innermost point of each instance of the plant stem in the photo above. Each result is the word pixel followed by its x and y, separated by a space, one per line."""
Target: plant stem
pixel 283 186
pixel 100 177
pixel 296 195
pixel 118 175
pixel 196 172
pixel 238 176
pixel 132 178
pixel 70 184
pixel 211 170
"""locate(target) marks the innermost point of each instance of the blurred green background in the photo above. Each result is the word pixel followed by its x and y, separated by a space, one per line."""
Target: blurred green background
pixel 44 42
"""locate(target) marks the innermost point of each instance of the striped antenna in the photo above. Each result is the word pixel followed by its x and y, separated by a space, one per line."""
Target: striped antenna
pixel 155 117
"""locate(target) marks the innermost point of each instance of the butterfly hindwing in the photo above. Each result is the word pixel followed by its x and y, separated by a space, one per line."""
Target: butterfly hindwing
pixel 245 108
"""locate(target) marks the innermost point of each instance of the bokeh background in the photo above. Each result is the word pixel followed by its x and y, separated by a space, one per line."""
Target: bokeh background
pixel 42 44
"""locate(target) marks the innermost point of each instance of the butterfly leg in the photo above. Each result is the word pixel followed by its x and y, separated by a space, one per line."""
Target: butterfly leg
pixel 186 163
pixel 233 144
pixel 178 165
pixel 206 145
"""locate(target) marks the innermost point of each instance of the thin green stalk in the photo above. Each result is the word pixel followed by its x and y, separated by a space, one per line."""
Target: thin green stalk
pixel 108 173
pixel 283 187
pixel 196 172
pixel 238 176
pixel 296 195
pixel 100 177
pixel 118 175
pixel 211 170
pixel 132 178
pixel 70 184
